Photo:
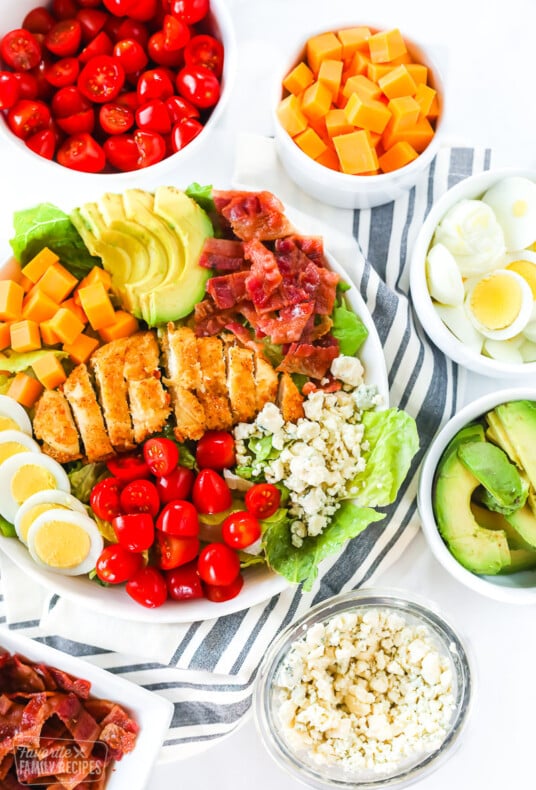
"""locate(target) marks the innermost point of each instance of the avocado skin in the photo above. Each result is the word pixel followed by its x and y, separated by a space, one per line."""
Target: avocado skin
pixel 506 491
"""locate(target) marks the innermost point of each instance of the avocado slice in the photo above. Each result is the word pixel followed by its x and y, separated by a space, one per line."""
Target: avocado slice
pixel 522 560
pixel 505 490
pixel 492 520
pixel 483 555
pixel 524 523
pixel 518 422
pixel 496 433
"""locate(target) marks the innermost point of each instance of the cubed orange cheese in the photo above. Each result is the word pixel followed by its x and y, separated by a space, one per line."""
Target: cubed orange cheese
pixel 355 152
pixel 358 64
pixel 124 325
pixel 419 72
pixel 386 45
pixel 376 71
pixel 424 96
pixel 65 325
pixel 11 295
pixel 329 159
pixel 353 39
pixel 48 336
pixel 325 45
pixel 367 113
pixel 418 136
pixel 75 308
pixel 290 117
pixel 362 86
pixel 5 336
pixel 25 336
pixel 316 100
pixel 25 390
pixel 405 112
pixel 433 112
pixel 298 79
pixel 38 306
pixel 404 58
pixel 398 82
pixel 97 275
pixel 310 143
pixel 36 268
pixel 330 74
pixel 25 283
pixel 401 153
pixel 57 282
pixel 97 306
pixel 49 371
pixel 81 348
pixel 336 123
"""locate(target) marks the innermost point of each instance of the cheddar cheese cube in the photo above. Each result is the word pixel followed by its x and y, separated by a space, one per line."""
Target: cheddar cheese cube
pixel 353 39
pixel 81 348
pixel 355 152
pixel 97 306
pixel 316 100
pixel 298 79
pixel 25 389
pixel 38 306
pixel 11 295
pixel 311 143
pixel 337 123
pixel 424 96
pixel 5 336
pixel 361 85
pixel 330 74
pixel 405 111
pixel 25 336
pixel 65 325
pixel 36 268
pixel 124 325
pixel 49 371
pixel 401 153
pixel 386 45
pixel 367 113
pixel 325 45
pixel 398 82
pixel 57 282
pixel 290 115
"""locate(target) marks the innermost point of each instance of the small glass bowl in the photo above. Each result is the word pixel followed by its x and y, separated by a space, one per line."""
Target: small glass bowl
pixel 416 613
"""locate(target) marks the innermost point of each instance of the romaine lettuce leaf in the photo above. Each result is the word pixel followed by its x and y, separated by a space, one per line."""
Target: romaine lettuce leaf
pixel 349 330
pixel 202 196
pixel 6 528
pixel 84 477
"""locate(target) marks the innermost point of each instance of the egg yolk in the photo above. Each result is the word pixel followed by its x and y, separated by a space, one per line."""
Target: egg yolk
pixel 28 519
pixel 7 449
pixel 61 544
pixel 496 301
pixel 7 424
pixel 30 479
pixel 527 270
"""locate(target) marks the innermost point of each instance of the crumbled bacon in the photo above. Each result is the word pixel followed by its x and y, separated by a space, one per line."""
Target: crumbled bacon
pixel 253 215
pixel 228 289
pixel 222 255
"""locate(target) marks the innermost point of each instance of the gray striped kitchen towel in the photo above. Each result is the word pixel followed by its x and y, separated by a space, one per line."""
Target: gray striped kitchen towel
pixel 211 671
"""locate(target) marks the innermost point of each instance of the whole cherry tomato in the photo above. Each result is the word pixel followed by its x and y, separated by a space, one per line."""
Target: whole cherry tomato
pixel 132 29
pixel 154 116
pixel 63 72
pixel 27 117
pixel 104 498
pixel 216 450
pixel 64 9
pixel 191 11
pixel 161 456
pixel 134 531
pixel 43 143
pixel 211 493
pixel 199 85
pixel 183 583
pixel 177 485
pixel 262 500
pixel 101 79
pixel 147 587
pixel 240 530
pixel 179 518
pixel 115 118
pixel 118 7
pixel 143 10
pixel 38 20
pixel 128 467
pixel 218 564
pixel 135 151
pixel 130 55
pixel 9 90
pixel 20 50
pixel 179 109
pixel 64 38
pixel 205 50
pixel 172 551
pixel 92 21
pixel 116 565
pixel 82 152
pixel 184 132
pixel 154 84
pixel 140 496
pixel 220 593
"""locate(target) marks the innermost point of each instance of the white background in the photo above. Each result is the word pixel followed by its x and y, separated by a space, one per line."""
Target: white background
pixel 487 52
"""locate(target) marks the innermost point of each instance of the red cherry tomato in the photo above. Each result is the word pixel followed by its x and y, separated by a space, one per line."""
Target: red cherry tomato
pixel 130 55
pixel 191 11
pixel 135 151
pixel 161 456
pixel 100 45
pixel 172 551
pixel 27 117
pixel 176 33
pixel 9 90
pixel 91 21
pixel 177 485
pixel 20 50
pixel 221 593
pixel 199 85
pixel 64 38
pixel 154 84
pixel 82 152
pixel 73 113
pixel 116 565
pixel 262 500
pixel 216 450
pixel 64 9
pixel 43 143
pixel 128 467
pixel 115 119
pixel 218 564
pixel 154 117
pixel 140 496
pixel 143 10
pixel 240 530
pixel 184 583
pixel 128 99
pixel 134 531
pixel 184 132
pixel 101 79
pixel 211 493
pixel 179 518
pixel 205 50
pixel 118 7
pixel 131 29
pixel 38 20
pixel 148 588
pixel 63 72
pixel 28 85
pixel 104 498
pixel 160 54
pixel 179 109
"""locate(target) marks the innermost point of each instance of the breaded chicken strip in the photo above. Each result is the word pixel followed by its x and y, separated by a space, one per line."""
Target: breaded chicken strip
pixel 149 402
pixel 266 382
pixel 107 364
pixel 53 425
pixel 213 393
pixel 289 399
pixel 183 379
pixel 241 383
pixel 87 414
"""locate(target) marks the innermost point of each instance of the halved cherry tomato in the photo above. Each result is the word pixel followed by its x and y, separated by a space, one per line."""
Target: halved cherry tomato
pixel 172 551
pixel 147 587
pixel 130 54
pixel 115 118
pixel 177 485
pixel 43 143
pixel 73 113
pixel 179 109
pixel 101 79
pixel 131 29
pixel 104 498
pixel 262 500
pixel 143 10
pixel 64 38
pixel 154 84
pixel 220 593
pixel 240 530
pixel 79 123
pixel 158 52
pixel 199 85
pixel 128 467
pixel 100 45
pixel 204 50
pixel 64 9
pixel 176 33
pixel 135 151
pixel 134 531
pixel 92 21
pixel 211 493
pixel 63 72
pixel 20 50
pixel 215 450
pixel 179 518
pixel 9 90
pixel 116 564
pixel 81 152
pixel 184 132
pixel 27 117
pixel 28 85
pixel 154 116
pixel 191 11
pixel 184 583
pixel 118 7
pixel 128 99
pixel 218 564
pixel 38 20
pixel 140 496
pixel 161 456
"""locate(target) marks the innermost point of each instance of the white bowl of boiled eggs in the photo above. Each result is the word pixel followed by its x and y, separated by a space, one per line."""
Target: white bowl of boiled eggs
pixel 473 273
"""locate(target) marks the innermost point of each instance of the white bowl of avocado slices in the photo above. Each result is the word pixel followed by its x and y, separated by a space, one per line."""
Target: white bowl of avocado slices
pixel 477 495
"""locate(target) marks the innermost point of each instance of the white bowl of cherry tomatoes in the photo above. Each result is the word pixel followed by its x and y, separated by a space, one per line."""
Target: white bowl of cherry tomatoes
pixel 113 86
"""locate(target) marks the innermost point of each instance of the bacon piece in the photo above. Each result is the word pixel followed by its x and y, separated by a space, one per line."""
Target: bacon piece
pixel 313 361
pixel 288 326
pixel 209 319
pixel 228 289
pixel 313 247
pixel 118 732
pixel 253 215
pixel 17 675
pixel 264 275
pixel 327 292
pixel 222 255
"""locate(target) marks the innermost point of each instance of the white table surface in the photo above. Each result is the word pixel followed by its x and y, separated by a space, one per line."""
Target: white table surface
pixel 486 51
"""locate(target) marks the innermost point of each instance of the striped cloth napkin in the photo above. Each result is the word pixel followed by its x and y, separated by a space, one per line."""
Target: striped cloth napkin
pixel 208 668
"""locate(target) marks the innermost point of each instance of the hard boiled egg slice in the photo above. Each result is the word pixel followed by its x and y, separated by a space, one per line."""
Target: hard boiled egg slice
pixel 40 503
pixel 443 276
pixel 527 270
pixel 500 304
pixel 13 417
pixel 64 541
pixel 13 442
pixel 504 350
pixel 514 202
pixel 470 231
pixel 23 475
pixel 457 320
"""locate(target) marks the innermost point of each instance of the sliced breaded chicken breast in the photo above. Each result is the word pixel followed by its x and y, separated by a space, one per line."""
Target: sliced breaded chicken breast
pixel 107 364
pixel 149 402
pixel 190 415
pixel 213 392
pixel 241 383
pixel 266 382
pixel 183 379
pixel 87 414
pixel 53 425
pixel 142 356
pixel 289 399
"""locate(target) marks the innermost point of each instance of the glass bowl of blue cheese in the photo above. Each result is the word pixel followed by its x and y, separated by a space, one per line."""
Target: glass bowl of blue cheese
pixel 369 689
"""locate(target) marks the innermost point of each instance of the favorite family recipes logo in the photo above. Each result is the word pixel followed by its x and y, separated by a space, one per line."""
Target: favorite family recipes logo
pixel 45 765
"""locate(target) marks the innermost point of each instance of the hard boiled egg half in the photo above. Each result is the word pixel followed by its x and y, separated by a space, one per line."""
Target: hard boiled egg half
pixel 13 442
pixel 13 416
pixel 25 474
pixel 41 502
pixel 500 304
pixel 65 541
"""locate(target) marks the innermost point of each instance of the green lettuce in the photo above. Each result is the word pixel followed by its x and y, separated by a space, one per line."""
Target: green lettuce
pixel 84 477
pixel 349 330
pixel 301 564
pixel 202 196
pixel 393 441
pixel 46 225
pixel 16 362
pixel 6 528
